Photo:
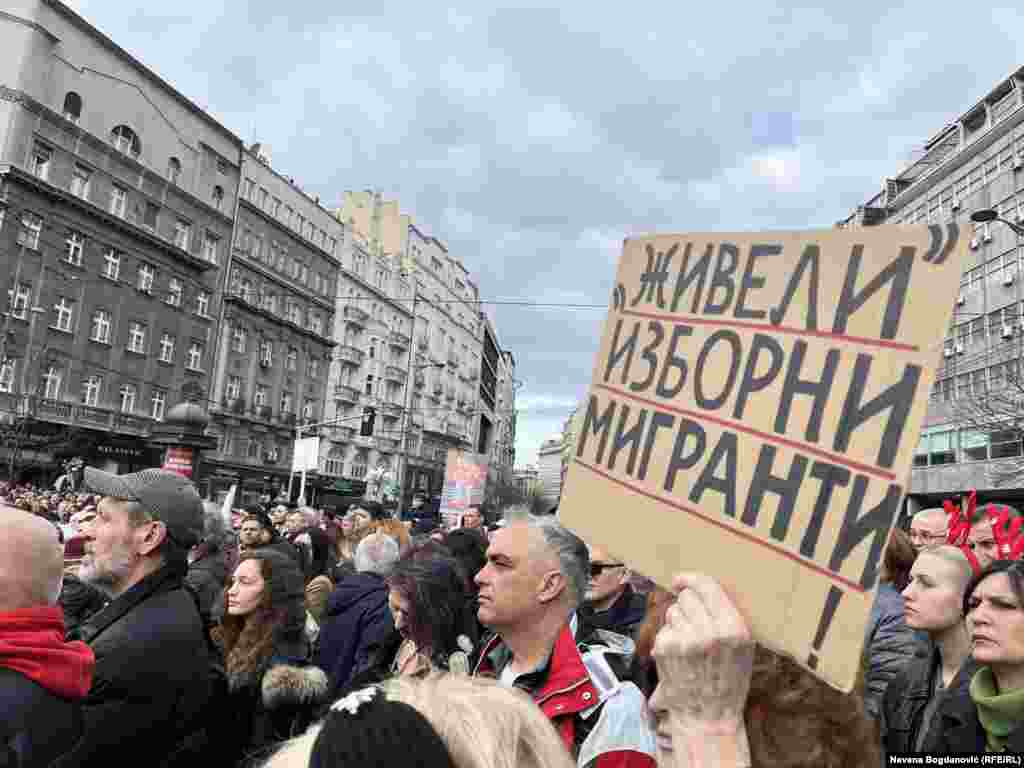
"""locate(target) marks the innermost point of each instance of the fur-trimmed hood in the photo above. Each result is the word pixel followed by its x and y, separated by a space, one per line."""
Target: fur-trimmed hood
pixel 287 684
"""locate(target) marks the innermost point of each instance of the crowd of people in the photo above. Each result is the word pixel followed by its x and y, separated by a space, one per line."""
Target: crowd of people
pixel 138 621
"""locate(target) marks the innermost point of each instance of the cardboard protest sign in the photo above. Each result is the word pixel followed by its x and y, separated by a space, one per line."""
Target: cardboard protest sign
pixel 465 477
pixel 755 406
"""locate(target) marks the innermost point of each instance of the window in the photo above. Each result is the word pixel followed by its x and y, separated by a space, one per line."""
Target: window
pixel 256 247
pixel 63 311
pixel 276 210
pixel 51 383
pixel 238 339
pixel 72 106
pixel 307 410
pixel 359 466
pixel 292 360
pixel 91 390
pixel 293 314
pixel 157 403
pixel 173 170
pixel 7 376
pixel 174 292
pixel 195 356
pixel 150 215
pixel 253 450
pixel 210 245
pixel 245 289
pixel 39 162
pixel 218 196
pixel 266 353
pixel 313 369
pixel 250 189
pixel 269 302
pixel 234 388
pixel 111 264
pixel 203 304
pixel 263 198
pixel 369 384
pixel 167 348
pixel 1005 444
pixel 124 140
pixel 100 329
pixel 118 200
pixel 259 399
pixel 128 393
pixel 17 300
pixel 137 338
pixel 182 234
pixel 31 228
pixel 316 323
pixel 287 404
pixel 145 278
pixel 81 179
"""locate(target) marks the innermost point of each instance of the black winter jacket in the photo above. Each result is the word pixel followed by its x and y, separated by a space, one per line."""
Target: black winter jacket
pixel 207 578
pixel 36 726
pixel 904 702
pixel 959 731
pixel 79 601
pixel 357 619
pixel 151 685
pixel 624 617
pixel 889 645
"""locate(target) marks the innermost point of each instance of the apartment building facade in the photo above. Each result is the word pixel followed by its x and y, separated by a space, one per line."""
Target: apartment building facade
pixel 275 343
pixel 975 162
pixel 369 369
pixel 117 196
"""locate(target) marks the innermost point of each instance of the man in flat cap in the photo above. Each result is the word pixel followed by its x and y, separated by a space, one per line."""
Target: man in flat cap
pixel 152 683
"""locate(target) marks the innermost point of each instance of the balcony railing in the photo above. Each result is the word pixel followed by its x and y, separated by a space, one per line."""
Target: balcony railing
pixel 127 422
pixel 95 416
pixel 346 393
pixel 351 355
pixel 54 410
pixel 394 373
pixel 387 444
pixel 1004 106
pixel 391 409
pixel 343 434
pixel 356 316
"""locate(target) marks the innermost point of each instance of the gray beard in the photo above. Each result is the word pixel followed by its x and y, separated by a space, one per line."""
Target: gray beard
pixel 106 577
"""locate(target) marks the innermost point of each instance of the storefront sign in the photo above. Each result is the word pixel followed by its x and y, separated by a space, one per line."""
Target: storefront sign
pixel 179 460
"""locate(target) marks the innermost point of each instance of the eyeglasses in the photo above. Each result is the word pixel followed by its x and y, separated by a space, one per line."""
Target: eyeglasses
pixel 597 568
pixel 925 536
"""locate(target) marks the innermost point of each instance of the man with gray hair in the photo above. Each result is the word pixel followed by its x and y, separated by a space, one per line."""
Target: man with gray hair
pixel 357 616
pixel 928 529
pixel 536 578
pixel 152 684
pixel 42 678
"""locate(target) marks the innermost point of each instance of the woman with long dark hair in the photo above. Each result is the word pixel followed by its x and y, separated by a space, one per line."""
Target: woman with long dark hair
pixel 274 689
pixel 435 621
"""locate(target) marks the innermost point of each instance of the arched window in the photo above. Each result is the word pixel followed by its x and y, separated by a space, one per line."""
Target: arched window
pixel 124 140
pixel 72 106
pixel 218 196
pixel 173 170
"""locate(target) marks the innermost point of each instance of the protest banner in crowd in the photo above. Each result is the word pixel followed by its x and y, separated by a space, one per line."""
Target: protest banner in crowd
pixel 753 414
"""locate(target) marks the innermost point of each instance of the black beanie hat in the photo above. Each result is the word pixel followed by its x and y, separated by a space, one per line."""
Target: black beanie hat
pixel 365 729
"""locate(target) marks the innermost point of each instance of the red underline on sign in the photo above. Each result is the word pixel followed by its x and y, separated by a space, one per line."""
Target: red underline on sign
pixel 835 458
pixel 866 341
pixel 735 531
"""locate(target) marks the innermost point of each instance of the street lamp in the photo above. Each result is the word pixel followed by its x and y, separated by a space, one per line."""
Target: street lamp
pixel 985 215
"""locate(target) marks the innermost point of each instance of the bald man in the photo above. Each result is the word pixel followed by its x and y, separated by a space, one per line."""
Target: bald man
pixel 928 529
pixel 42 678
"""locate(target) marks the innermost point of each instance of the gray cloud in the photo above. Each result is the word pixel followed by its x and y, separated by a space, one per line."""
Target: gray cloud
pixel 532 140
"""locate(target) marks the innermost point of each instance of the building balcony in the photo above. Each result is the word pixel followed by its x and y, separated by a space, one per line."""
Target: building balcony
pixel 387 444
pixel 350 355
pixel 346 393
pixel 399 340
pixel 453 431
pixel 262 412
pixel 356 316
pixel 363 442
pixel 95 417
pixel 53 410
pixel 394 373
pixel 342 434
pixel 394 410
pixel 127 422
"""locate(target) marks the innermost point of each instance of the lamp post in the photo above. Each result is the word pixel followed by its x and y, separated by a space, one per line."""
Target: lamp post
pixel 403 455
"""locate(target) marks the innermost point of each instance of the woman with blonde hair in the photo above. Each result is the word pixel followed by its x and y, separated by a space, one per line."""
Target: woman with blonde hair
pixel 480 723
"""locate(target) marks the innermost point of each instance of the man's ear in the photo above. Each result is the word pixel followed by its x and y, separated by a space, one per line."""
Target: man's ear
pixel 552 585
pixel 153 537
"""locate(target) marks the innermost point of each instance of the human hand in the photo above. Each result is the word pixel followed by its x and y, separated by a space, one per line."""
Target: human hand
pixel 705 657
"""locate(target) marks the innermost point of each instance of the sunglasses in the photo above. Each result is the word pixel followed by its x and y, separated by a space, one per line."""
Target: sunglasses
pixel 596 569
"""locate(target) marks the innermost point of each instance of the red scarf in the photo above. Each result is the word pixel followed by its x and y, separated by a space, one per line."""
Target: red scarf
pixel 32 643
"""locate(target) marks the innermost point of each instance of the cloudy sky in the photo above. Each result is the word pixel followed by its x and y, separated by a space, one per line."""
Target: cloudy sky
pixel 534 139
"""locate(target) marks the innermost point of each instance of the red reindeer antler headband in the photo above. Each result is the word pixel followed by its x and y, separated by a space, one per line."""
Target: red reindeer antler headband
pixel 1008 534
pixel 960 527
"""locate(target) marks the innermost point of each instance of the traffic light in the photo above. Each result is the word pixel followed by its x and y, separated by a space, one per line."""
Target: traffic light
pixel 366 428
